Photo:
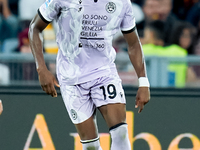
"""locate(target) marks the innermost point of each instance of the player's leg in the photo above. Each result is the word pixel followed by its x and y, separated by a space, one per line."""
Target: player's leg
pixel 113 113
pixel 88 129
pixel 82 113
pixel 115 116
pixel 88 133
pixel 109 97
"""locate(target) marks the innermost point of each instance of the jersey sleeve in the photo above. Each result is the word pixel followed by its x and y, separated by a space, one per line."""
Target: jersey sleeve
pixel 49 10
pixel 128 22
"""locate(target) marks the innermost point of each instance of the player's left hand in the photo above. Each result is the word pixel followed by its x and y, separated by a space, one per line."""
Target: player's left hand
pixel 142 98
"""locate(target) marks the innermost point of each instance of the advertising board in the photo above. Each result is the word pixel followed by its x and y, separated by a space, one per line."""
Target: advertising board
pixel 33 120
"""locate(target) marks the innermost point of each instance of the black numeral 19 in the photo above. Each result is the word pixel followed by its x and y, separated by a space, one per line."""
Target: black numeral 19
pixel 111 91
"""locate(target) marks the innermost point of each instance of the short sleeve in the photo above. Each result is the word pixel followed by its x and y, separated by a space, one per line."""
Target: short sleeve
pixel 128 22
pixel 49 10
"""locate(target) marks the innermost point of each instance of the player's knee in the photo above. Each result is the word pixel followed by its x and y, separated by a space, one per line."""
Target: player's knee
pixel 119 132
pixel 119 135
pixel 92 144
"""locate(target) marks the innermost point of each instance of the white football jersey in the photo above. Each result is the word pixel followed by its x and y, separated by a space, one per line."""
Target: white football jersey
pixel 84 36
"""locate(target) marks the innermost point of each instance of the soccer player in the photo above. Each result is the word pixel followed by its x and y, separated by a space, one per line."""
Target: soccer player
pixel 87 75
pixel 1 107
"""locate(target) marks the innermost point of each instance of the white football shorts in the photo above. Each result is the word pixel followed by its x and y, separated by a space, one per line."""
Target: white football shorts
pixel 81 100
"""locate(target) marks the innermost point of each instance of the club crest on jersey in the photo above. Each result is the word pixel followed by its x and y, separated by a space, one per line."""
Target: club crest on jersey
pixel 73 114
pixel 110 7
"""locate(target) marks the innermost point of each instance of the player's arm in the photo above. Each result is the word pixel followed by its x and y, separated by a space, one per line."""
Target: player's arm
pixel 137 59
pixel 1 107
pixel 46 78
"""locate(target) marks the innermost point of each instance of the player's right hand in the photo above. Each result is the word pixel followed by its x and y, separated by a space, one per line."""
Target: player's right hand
pixel 1 107
pixel 47 82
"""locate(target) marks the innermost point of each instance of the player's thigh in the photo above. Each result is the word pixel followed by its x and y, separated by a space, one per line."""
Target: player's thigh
pixel 109 97
pixel 113 113
pixel 81 110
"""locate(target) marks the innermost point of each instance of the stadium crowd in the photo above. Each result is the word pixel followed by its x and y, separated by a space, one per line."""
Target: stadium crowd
pixel 165 27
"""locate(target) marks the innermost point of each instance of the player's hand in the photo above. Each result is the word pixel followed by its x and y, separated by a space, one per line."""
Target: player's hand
pixel 1 107
pixel 142 98
pixel 47 82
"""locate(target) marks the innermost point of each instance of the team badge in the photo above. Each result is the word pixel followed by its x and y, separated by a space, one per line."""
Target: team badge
pixel 73 114
pixel 110 7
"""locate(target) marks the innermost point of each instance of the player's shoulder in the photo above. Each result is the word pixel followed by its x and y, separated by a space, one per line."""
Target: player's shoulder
pixel 59 3
pixel 50 2
pixel 119 3
pixel 126 2
pixel 66 1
